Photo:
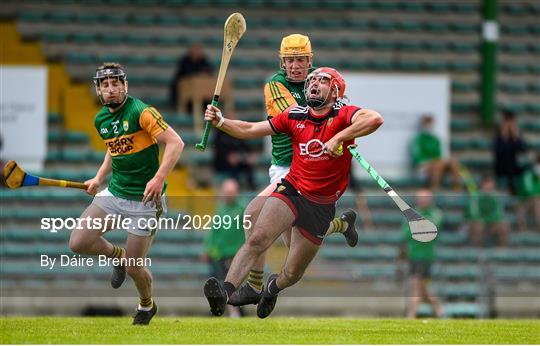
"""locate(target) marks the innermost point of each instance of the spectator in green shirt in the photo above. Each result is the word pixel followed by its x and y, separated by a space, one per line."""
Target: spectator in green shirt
pixel 529 194
pixel 421 256
pixel 426 156
pixel 485 213
pixel 223 242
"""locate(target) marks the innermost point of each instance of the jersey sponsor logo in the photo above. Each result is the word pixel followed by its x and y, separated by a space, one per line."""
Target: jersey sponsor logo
pixel 300 126
pixel 313 148
pixel 129 144
pixel 119 146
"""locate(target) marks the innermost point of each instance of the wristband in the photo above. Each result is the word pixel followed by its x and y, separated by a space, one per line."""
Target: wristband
pixel 221 119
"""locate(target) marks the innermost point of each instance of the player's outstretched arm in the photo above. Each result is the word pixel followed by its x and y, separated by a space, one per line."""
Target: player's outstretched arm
pixel 237 128
pixel 363 122
pixel 104 170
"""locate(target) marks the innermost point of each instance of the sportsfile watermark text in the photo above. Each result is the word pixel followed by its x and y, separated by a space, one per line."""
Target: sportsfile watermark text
pixel 180 222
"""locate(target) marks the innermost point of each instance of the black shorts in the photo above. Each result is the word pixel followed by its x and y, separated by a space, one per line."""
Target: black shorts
pixel 420 268
pixel 311 219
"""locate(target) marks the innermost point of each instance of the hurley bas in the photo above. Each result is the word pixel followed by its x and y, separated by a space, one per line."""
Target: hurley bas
pixel 102 261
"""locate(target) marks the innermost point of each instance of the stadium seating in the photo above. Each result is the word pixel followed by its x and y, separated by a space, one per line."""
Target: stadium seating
pixel 381 36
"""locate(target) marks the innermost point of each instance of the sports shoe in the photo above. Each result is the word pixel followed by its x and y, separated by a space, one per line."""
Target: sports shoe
pixel 245 295
pixel 351 236
pixel 143 317
pixel 118 276
pixel 216 296
pixel 268 302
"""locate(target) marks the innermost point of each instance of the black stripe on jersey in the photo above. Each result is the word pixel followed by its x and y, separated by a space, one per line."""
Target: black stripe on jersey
pixel 155 113
pixel 338 104
pixel 157 116
pixel 299 113
pixel 298 116
pixel 272 126
pixel 274 90
pixel 159 119
pixel 356 109
pixel 303 114
pixel 274 96
pixel 299 109
pixel 282 99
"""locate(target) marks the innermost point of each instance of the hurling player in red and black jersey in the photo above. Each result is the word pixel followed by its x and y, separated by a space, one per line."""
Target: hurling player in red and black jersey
pixel 306 197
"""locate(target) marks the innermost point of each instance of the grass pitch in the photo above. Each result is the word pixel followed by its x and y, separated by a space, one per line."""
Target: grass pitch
pixel 167 330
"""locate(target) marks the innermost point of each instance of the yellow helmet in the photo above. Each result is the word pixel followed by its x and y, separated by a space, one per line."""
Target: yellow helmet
pixel 295 45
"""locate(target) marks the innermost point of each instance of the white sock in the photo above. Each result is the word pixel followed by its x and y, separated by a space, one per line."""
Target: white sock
pixel 145 308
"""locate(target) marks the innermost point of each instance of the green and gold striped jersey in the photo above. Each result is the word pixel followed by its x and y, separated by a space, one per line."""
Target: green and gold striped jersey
pixel 280 94
pixel 130 137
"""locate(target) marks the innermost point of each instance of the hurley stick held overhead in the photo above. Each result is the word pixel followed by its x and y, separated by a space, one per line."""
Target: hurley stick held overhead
pixel 235 26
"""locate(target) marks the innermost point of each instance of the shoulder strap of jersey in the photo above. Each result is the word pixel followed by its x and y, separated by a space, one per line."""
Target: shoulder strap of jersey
pixel 338 104
pixel 299 109
pixel 298 113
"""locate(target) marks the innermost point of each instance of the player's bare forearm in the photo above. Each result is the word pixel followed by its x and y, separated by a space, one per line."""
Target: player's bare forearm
pixel 171 153
pixel 364 122
pixel 173 148
pixel 105 168
pixel 245 129
pixel 237 128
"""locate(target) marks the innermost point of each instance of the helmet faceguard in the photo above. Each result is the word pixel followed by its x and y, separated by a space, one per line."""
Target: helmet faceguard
pixel 294 46
pixel 314 99
pixel 110 72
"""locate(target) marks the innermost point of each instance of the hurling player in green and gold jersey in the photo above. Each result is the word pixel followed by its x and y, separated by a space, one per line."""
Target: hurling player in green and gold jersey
pixel 285 89
pixel 131 131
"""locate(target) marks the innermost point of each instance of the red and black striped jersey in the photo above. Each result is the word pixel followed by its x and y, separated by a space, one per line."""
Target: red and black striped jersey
pixel 316 175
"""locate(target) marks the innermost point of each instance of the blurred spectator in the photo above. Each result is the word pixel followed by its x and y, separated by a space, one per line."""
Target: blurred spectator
pixel 507 145
pixel 224 241
pixel 529 194
pixel 194 62
pixel 421 256
pixel 234 158
pixel 485 212
pixel 426 154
